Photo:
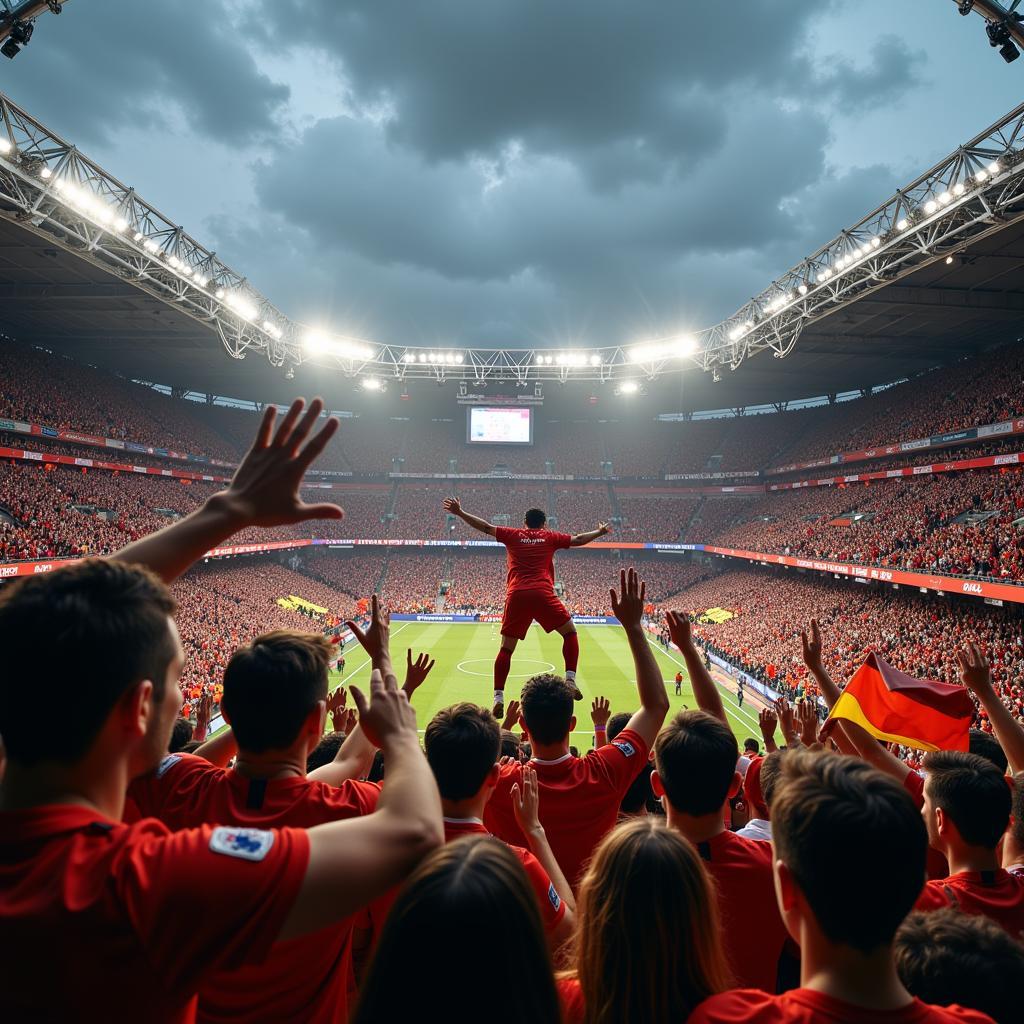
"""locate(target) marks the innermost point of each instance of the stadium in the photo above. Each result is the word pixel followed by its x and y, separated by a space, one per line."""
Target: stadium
pixel 796 607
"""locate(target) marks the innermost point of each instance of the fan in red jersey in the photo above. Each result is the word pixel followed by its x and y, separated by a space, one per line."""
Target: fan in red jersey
pixel 530 593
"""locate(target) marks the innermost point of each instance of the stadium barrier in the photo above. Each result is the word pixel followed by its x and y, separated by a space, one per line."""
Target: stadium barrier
pixel 959 466
pixel 1001 429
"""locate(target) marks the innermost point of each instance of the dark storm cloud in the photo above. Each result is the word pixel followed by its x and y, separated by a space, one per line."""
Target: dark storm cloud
pixel 101 66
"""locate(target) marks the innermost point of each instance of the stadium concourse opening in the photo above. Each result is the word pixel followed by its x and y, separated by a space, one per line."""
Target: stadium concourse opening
pixel 677 676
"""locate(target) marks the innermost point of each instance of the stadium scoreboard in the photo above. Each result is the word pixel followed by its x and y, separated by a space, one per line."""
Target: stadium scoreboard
pixel 489 425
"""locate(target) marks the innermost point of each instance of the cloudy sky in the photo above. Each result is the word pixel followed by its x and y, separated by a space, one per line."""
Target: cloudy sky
pixel 513 172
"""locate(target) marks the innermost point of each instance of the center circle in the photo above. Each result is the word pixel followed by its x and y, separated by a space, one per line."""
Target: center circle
pixel 548 667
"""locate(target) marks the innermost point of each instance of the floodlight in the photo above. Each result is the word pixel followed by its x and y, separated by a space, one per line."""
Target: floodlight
pixel 5 146
pixel 959 189
pixel 46 174
pixel 946 198
pixel 902 224
pixel 371 384
pixel 595 360
pixel 629 387
pixel 930 207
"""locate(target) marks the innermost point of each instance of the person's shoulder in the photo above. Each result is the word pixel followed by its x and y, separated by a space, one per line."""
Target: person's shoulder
pixel 182 764
pixel 739 1005
pixel 349 795
pixel 934 895
pixel 628 744
pixel 954 1015
pixel 570 996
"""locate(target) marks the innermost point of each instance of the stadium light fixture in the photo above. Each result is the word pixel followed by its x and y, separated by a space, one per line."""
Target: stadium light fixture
pixel 371 384
pixel 319 344
pixel 930 207
pixel 5 147
pixel 46 174
pixel 629 387
pixel 902 224
pixel 595 360
pixel 959 188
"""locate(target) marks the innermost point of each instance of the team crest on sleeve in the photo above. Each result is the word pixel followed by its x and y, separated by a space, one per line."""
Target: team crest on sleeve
pixel 244 843
pixel 625 746
pixel 556 900
pixel 166 764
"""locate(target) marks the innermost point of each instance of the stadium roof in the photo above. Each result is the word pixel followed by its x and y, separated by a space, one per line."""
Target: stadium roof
pixel 936 273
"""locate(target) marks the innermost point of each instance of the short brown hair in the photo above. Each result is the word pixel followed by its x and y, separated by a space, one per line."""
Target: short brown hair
pixel 83 635
pixel 272 685
pixel 946 957
pixel 831 810
pixel 546 703
pixel 972 791
pixel 463 743
pixel 696 756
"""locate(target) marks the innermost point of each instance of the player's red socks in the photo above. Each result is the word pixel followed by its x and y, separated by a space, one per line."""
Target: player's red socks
pixel 502 664
pixel 571 651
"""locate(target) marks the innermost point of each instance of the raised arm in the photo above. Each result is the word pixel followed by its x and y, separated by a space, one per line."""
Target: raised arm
pixel 580 539
pixel 708 698
pixel 628 608
pixel 977 678
pixel 263 492
pixel 353 862
pixel 453 507
pixel 867 747
pixel 812 650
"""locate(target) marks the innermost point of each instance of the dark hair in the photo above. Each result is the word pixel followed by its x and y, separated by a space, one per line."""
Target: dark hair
pixel 649 945
pixel 946 957
pixel 696 757
pixel 463 743
pixel 639 796
pixel 180 735
pixel 191 747
pixel 827 807
pixel 510 745
pixel 84 635
pixel 986 746
pixel 617 723
pixel 750 744
pixel 271 686
pixel 465 899
pixel 546 704
pixel 535 518
pixel 325 751
pixel 972 791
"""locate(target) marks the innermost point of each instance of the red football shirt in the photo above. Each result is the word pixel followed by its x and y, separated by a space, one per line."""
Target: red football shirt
pixel 302 979
pixel 752 928
pixel 127 922
pixel 531 557
pixel 570 997
pixel 579 799
pixel 805 1006
pixel 995 894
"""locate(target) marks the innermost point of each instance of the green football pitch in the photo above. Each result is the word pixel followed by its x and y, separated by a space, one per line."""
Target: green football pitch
pixel 465 657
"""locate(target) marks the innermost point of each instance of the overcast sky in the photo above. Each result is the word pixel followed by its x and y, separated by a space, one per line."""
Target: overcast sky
pixel 513 172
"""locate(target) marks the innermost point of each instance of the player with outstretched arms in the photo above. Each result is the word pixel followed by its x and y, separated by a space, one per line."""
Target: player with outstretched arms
pixel 530 592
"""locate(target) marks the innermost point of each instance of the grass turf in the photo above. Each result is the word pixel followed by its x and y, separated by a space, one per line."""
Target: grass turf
pixel 465 658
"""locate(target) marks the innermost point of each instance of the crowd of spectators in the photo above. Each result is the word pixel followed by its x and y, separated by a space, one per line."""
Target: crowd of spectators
pixel 918 635
pixel 950 523
pixel 654 516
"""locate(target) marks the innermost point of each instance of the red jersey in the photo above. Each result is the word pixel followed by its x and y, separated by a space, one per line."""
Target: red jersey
pixel 570 998
pixel 127 922
pixel 997 895
pixel 531 557
pixel 302 979
pixel 752 930
pixel 579 799
pixel 805 1006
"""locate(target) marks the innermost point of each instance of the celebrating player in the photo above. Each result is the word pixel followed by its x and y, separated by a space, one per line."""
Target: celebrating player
pixel 530 594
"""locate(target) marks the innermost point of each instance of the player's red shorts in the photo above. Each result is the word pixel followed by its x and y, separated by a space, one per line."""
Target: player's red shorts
pixel 525 606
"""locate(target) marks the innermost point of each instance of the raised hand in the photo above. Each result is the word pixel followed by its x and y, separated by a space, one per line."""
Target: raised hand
pixel 204 709
pixel 785 715
pixel 974 670
pixel 386 717
pixel 265 488
pixel 416 671
pixel 376 640
pixel 336 707
pixel 603 528
pixel 600 712
pixel 811 646
pixel 807 716
pixel 452 506
pixel 680 629
pixel 526 802
pixel 628 603
pixel 511 719
pixel 767 720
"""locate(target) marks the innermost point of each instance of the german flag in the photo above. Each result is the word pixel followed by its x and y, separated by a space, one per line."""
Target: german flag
pixel 896 707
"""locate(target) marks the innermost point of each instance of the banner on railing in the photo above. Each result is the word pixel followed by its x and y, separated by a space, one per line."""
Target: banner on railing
pixel 1011 592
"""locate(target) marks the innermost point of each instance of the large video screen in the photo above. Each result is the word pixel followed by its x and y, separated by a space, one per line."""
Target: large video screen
pixel 499 426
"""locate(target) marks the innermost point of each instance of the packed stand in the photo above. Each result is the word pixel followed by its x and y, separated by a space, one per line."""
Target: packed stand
pixel 654 516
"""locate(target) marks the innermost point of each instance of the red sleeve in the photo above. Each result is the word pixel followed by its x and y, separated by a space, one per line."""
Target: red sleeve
pixel 231 890
pixel 503 534
pixel 352 799
pixel 933 896
pixel 621 760
pixel 174 774
pixel 561 540
pixel 570 995
pixel 552 909
pixel 741 1006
